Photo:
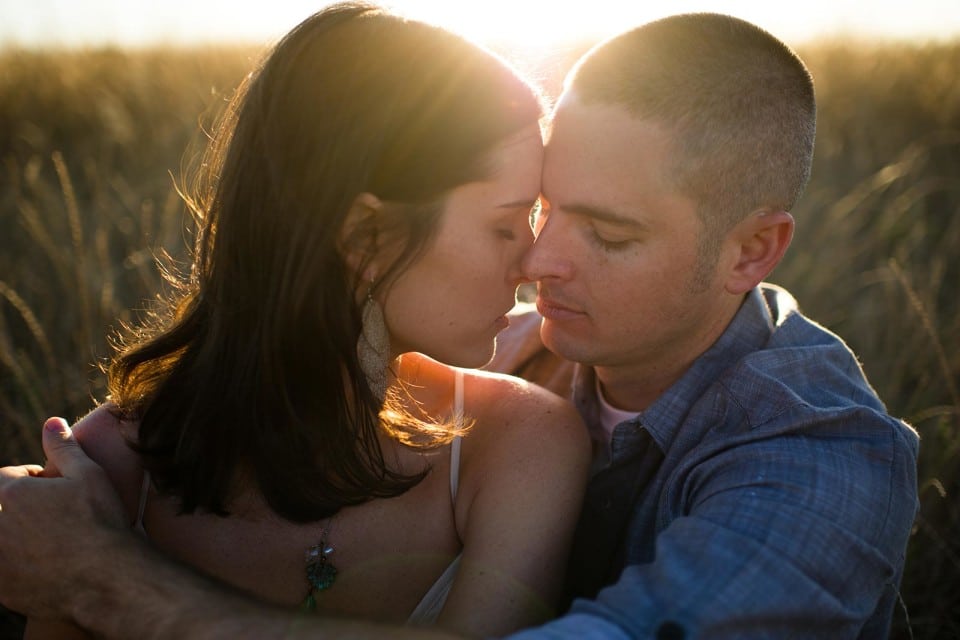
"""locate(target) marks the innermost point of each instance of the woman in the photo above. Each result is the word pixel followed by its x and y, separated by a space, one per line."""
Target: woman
pixel 290 428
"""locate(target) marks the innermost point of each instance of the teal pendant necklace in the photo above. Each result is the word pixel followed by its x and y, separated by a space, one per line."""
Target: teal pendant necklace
pixel 321 573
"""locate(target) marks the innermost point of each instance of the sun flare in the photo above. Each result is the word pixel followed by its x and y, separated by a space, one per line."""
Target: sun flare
pixel 523 24
pixel 527 25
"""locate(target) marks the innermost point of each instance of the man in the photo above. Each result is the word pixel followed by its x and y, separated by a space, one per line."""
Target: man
pixel 748 482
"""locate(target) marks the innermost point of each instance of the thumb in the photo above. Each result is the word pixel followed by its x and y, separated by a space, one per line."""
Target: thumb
pixel 64 455
pixel 85 485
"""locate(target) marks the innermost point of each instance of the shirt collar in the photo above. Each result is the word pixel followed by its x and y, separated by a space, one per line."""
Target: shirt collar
pixel 749 330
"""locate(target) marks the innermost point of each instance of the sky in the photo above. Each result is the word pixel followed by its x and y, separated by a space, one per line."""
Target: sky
pixel 532 23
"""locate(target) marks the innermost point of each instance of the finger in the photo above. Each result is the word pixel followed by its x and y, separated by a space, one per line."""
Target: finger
pixel 8 475
pixel 64 455
pixel 49 470
pixel 21 471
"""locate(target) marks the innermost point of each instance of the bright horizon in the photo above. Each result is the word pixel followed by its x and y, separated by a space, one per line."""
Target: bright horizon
pixel 516 23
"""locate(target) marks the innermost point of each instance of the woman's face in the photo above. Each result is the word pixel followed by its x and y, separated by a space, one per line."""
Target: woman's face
pixel 451 302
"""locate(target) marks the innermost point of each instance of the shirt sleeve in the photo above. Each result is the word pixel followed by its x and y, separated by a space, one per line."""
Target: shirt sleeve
pixel 782 534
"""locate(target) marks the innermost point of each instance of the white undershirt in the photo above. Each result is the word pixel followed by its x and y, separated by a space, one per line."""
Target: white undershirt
pixel 610 417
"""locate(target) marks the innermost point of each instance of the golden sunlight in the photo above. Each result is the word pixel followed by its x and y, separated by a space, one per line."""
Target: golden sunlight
pixel 539 24
pixel 527 25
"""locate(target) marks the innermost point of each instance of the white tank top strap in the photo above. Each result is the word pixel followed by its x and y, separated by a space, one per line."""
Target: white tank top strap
pixel 455 444
pixel 429 608
pixel 142 507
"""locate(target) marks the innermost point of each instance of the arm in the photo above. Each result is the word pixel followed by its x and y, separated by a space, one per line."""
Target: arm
pixel 524 471
pixel 96 572
pixel 785 536
pixel 42 629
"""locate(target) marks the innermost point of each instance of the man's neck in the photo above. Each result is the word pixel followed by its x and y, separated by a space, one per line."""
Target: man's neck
pixel 636 386
pixel 635 389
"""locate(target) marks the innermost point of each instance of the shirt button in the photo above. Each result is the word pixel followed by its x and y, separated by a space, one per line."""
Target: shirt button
pixel 670 631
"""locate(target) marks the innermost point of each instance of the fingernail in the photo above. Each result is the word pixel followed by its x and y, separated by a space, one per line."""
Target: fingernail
pixel 56 425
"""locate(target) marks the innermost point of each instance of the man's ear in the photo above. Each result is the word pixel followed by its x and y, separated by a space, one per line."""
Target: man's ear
pixel 760 241
pixel 358 237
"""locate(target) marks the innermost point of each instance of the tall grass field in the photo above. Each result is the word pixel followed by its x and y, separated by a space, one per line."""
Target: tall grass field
pixel 92 143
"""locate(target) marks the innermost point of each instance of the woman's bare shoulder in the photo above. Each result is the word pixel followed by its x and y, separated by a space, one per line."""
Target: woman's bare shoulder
pixel 524 466
pixel 502 395
pixel 511 412
pixel 507 414
pixel 106 437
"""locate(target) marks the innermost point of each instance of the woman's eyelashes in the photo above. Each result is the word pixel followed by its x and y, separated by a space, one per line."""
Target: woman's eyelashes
pixel 516 226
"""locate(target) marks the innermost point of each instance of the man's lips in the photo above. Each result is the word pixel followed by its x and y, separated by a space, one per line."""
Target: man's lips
pixel 554 310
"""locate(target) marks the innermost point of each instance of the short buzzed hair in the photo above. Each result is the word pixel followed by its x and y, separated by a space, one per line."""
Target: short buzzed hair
pixel 738 102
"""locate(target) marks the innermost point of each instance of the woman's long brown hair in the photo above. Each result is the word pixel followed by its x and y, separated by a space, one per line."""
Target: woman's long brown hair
pixel 252 367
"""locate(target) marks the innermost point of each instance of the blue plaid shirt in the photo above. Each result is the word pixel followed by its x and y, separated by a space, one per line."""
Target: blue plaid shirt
pixel 766 494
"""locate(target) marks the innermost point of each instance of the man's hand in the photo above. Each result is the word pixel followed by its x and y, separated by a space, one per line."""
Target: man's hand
pixel 66 551
pixel 53 528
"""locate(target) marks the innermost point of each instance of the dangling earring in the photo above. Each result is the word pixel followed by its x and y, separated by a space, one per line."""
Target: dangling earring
pixel 373 347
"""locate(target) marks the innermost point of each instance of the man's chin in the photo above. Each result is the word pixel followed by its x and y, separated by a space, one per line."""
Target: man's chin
pixel 561 342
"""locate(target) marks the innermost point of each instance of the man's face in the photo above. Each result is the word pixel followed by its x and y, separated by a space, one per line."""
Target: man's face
pixel 616 251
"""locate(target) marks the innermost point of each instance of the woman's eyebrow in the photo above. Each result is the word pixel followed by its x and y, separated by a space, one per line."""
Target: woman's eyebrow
pixel 518 204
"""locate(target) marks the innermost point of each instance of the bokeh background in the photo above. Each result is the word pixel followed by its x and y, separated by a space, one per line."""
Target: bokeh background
pixel 103 108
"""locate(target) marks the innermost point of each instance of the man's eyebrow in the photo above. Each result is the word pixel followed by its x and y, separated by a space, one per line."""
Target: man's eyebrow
pixel 605 215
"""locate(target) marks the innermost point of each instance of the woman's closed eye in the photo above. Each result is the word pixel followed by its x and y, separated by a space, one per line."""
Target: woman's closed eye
pixel 515 225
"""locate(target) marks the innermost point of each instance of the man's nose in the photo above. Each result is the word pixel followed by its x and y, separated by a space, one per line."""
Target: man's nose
pixel 549 256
